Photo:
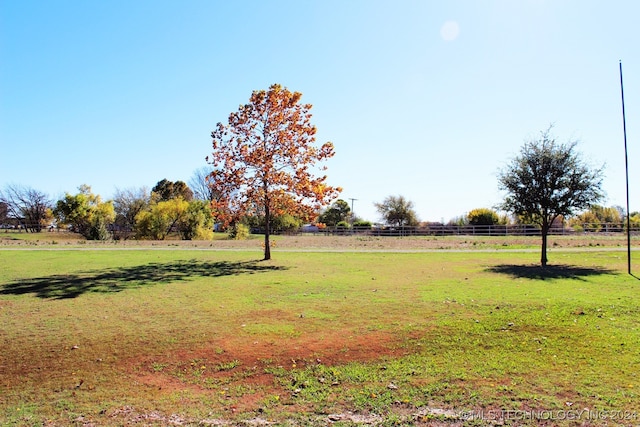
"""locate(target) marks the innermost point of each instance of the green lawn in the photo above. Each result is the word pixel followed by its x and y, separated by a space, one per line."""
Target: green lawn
pixel 148 336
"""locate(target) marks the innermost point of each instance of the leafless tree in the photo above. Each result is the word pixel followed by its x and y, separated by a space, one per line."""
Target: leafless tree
pixel 128 203
pixel 31 208
pixel 4 212
pixel 199 184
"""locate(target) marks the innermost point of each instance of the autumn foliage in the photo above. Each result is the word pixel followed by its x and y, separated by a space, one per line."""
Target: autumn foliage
pixel 264 161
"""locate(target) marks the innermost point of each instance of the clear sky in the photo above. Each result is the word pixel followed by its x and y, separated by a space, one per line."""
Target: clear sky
pixel 425 99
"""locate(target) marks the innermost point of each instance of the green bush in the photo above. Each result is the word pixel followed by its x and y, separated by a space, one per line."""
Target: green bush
pixel 239 231
pixel 362 224
pixel 285 223
pixel 98 230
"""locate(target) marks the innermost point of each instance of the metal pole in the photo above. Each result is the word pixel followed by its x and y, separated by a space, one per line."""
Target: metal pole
pixel 626 167
pixel 352 200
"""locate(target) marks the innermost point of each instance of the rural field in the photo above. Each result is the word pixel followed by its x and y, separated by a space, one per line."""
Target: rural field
pixel 342 331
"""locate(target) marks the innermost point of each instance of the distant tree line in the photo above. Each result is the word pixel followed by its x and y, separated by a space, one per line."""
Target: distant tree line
pixel 259 180
pixel 133 213
pixel 174 207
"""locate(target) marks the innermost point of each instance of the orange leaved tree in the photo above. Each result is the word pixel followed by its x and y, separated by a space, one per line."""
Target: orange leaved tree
pixel 264 158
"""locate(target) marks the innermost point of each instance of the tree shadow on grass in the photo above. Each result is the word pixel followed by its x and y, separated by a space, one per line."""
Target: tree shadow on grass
pixel 561 271
pixel 63 286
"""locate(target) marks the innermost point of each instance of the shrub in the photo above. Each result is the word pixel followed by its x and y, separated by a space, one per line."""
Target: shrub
pixel 285 223
pixel 98 230
pixel 198 221
pixel 239 231
pixel 483 216
pixel 362 224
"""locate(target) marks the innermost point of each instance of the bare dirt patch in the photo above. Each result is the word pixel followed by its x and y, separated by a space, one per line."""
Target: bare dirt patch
pixel 233 361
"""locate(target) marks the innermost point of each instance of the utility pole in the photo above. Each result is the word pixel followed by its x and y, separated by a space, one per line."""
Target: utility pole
pixel 352 200
pixel 626 167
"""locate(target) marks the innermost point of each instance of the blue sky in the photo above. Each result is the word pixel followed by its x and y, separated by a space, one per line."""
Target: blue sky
pixel 425 99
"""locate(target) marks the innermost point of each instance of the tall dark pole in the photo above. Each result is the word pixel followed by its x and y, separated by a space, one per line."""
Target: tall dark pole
pixel 626 168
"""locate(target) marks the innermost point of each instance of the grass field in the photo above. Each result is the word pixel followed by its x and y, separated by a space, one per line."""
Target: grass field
pixel 214 337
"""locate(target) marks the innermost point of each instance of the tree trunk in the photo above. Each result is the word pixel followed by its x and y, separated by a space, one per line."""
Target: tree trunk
pixel 543 255
pixel 267 232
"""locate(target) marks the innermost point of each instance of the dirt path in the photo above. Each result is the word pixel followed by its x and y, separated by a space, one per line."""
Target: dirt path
pixel 329 243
